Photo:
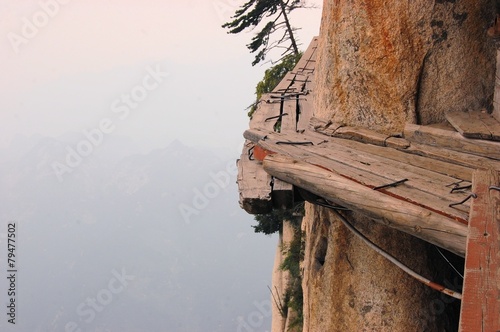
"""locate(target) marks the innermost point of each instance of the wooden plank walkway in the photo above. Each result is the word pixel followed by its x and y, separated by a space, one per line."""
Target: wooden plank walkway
pixel 287 108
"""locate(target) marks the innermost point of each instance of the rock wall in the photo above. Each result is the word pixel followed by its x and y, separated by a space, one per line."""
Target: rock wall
pixel 349 287
pixel 384 63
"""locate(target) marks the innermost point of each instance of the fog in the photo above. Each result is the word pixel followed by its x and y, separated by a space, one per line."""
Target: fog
pixel 121 123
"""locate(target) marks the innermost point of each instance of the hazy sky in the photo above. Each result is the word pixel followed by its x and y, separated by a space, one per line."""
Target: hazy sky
pixel 143 74
pixel 63 72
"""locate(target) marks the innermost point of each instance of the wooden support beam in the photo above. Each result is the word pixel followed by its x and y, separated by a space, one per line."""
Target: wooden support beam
pixel 480 311
pixel 383 208
pixel 451 140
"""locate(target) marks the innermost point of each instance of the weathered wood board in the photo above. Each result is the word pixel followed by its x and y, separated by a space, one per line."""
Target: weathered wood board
pixel 307 63
pixel 438 166
pixel 254 184
pixel 305 111
pixel 270 116
pixel 266 114
pixel 451 156
pixel 289 122
pixel 480 309
pixel 475 124
pixel 356 133
pixel 445 139
pixel 284 85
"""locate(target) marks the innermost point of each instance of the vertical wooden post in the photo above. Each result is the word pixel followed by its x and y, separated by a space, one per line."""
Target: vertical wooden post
pixel 480 302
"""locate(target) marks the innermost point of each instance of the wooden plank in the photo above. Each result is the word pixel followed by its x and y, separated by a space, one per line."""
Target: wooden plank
pixel 475 124
pixel 282 194
pixel 258 135
pixel 451 140
pixel 359 134
pixel 492 124
pixel 305 112
pixel 480 309
pixel 289 122
pixel 285 83
pixel 438 166
pixel 263 112
pixel 307 62
pixel 254 185
pixel 311 85
pixel 323 126
pixel 401 215
pixel 467 124
pixel 422 179
pixel 450 156
pixel 299 81
pixel 330 160
pixel 304 66
pixel 368 136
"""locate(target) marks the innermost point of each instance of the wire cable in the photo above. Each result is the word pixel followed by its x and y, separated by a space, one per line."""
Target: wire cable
pixel 393 260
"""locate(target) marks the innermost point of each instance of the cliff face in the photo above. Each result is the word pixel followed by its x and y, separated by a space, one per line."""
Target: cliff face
pixel 349 287
pixel 384 63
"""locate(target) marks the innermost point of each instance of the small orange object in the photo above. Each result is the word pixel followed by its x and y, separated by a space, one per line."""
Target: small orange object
pixel 260 153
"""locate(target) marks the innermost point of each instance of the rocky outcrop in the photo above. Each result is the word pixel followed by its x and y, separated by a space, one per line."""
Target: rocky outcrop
pixel 383 63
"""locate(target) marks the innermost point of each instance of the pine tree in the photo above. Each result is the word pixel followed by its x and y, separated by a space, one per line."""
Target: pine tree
pixel 252 13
